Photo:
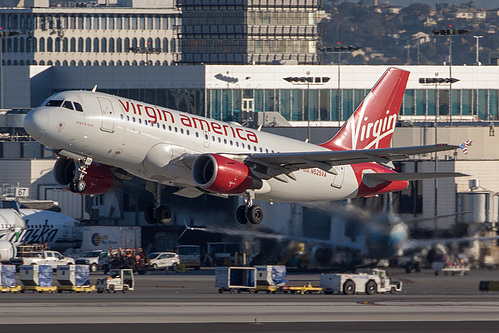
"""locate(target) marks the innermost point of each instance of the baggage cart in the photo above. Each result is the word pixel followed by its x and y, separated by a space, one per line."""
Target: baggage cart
pixel 235 279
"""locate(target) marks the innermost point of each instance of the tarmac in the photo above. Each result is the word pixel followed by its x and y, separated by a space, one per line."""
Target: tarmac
pixel 190 302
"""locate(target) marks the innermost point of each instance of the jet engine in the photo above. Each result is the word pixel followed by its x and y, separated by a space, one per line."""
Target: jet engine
pixel 220 174
pixel 98 178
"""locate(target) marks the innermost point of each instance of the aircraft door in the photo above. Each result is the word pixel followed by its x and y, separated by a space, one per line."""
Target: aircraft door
pixel 338 179
pixel 106 107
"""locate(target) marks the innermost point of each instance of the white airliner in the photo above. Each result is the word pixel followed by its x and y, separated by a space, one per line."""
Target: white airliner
pixel 30 226
pixel 102 139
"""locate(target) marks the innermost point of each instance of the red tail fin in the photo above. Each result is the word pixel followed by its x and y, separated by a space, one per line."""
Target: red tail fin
pixel 372 124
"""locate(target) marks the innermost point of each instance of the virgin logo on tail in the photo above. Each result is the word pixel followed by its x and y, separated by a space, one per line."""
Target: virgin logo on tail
pixel 373 122
pixel 367 133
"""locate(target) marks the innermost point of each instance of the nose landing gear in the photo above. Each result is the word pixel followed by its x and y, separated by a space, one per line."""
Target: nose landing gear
pixel 79 185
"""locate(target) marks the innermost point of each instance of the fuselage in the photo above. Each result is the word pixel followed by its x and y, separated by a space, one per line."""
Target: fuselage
pixel 57 230
pixel 151 142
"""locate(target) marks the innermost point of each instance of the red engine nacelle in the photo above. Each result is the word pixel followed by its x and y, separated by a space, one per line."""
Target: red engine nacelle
pixel 99 178
pixel 220 174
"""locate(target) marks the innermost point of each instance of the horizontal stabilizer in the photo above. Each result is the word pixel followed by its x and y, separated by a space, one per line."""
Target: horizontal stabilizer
pixel 412 176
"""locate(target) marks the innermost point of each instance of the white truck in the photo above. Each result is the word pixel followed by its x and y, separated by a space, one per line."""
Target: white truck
pixel 95 260
pixel 369 281
pixel 44 257
pixel 105 237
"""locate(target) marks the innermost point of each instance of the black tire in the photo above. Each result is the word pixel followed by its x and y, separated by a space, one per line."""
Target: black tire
pixel 349 288
pixel 174 267
pixel 408 269
pixel 155 267
pixel 255 214
pixel 163 215
pixel 111 289
pixel 241 215
pixel 220 290
pixel 125 289
pixel 371 287
pixel 93 268
pixel 149 215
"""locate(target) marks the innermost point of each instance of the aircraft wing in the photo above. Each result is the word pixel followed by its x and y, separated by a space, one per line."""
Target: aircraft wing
pixel 285 163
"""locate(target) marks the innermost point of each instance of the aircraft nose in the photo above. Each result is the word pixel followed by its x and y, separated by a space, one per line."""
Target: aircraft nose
pixel 36 122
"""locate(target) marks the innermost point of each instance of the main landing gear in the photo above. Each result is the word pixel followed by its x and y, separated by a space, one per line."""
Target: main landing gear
pixel 157 214
pixel 78 185
pixel 249 212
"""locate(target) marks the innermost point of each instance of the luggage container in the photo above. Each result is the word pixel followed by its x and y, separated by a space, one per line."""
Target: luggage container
pixel 74 278
pixel 235 279
pixel 270 278
pixel 36 278
pixel 8 279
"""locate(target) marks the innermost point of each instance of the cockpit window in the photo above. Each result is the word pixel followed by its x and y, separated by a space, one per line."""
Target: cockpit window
pixel 54 102
pixel 78 106
pixel 68 105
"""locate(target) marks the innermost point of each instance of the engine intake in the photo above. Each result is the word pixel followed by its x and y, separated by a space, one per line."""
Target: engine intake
pixel 220 174
pixel 99 178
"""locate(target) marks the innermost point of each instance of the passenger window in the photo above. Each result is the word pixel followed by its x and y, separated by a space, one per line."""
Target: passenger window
pixel 54 102
pixel 68 105
pixel 78 106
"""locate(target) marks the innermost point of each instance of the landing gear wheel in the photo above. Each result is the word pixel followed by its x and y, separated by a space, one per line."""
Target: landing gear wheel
pixel 81 186
pixel 371 288
pixel 254 214
pixel 163 215
pixel 241 215
pixel 149 215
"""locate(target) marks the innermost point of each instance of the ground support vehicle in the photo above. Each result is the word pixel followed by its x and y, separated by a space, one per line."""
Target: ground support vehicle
pixel 40 257
pixel 190 255
pixel 235 279
pixel 305 289
pixel 13 289
pixel 78 289
pixel 95 259
pixel 39 289
pixel 36 278
pixel 118 280
pixel 369 281
pixel 452 270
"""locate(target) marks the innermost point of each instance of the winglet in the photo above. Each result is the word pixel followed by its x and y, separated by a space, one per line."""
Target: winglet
pixel 94 89
pixel 373 122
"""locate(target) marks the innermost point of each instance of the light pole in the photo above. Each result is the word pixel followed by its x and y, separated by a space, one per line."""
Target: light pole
pixel 436 81
pixel 477 61
pixel 307 80
pixel 450 32
pixel 339 49
pixel 4 33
